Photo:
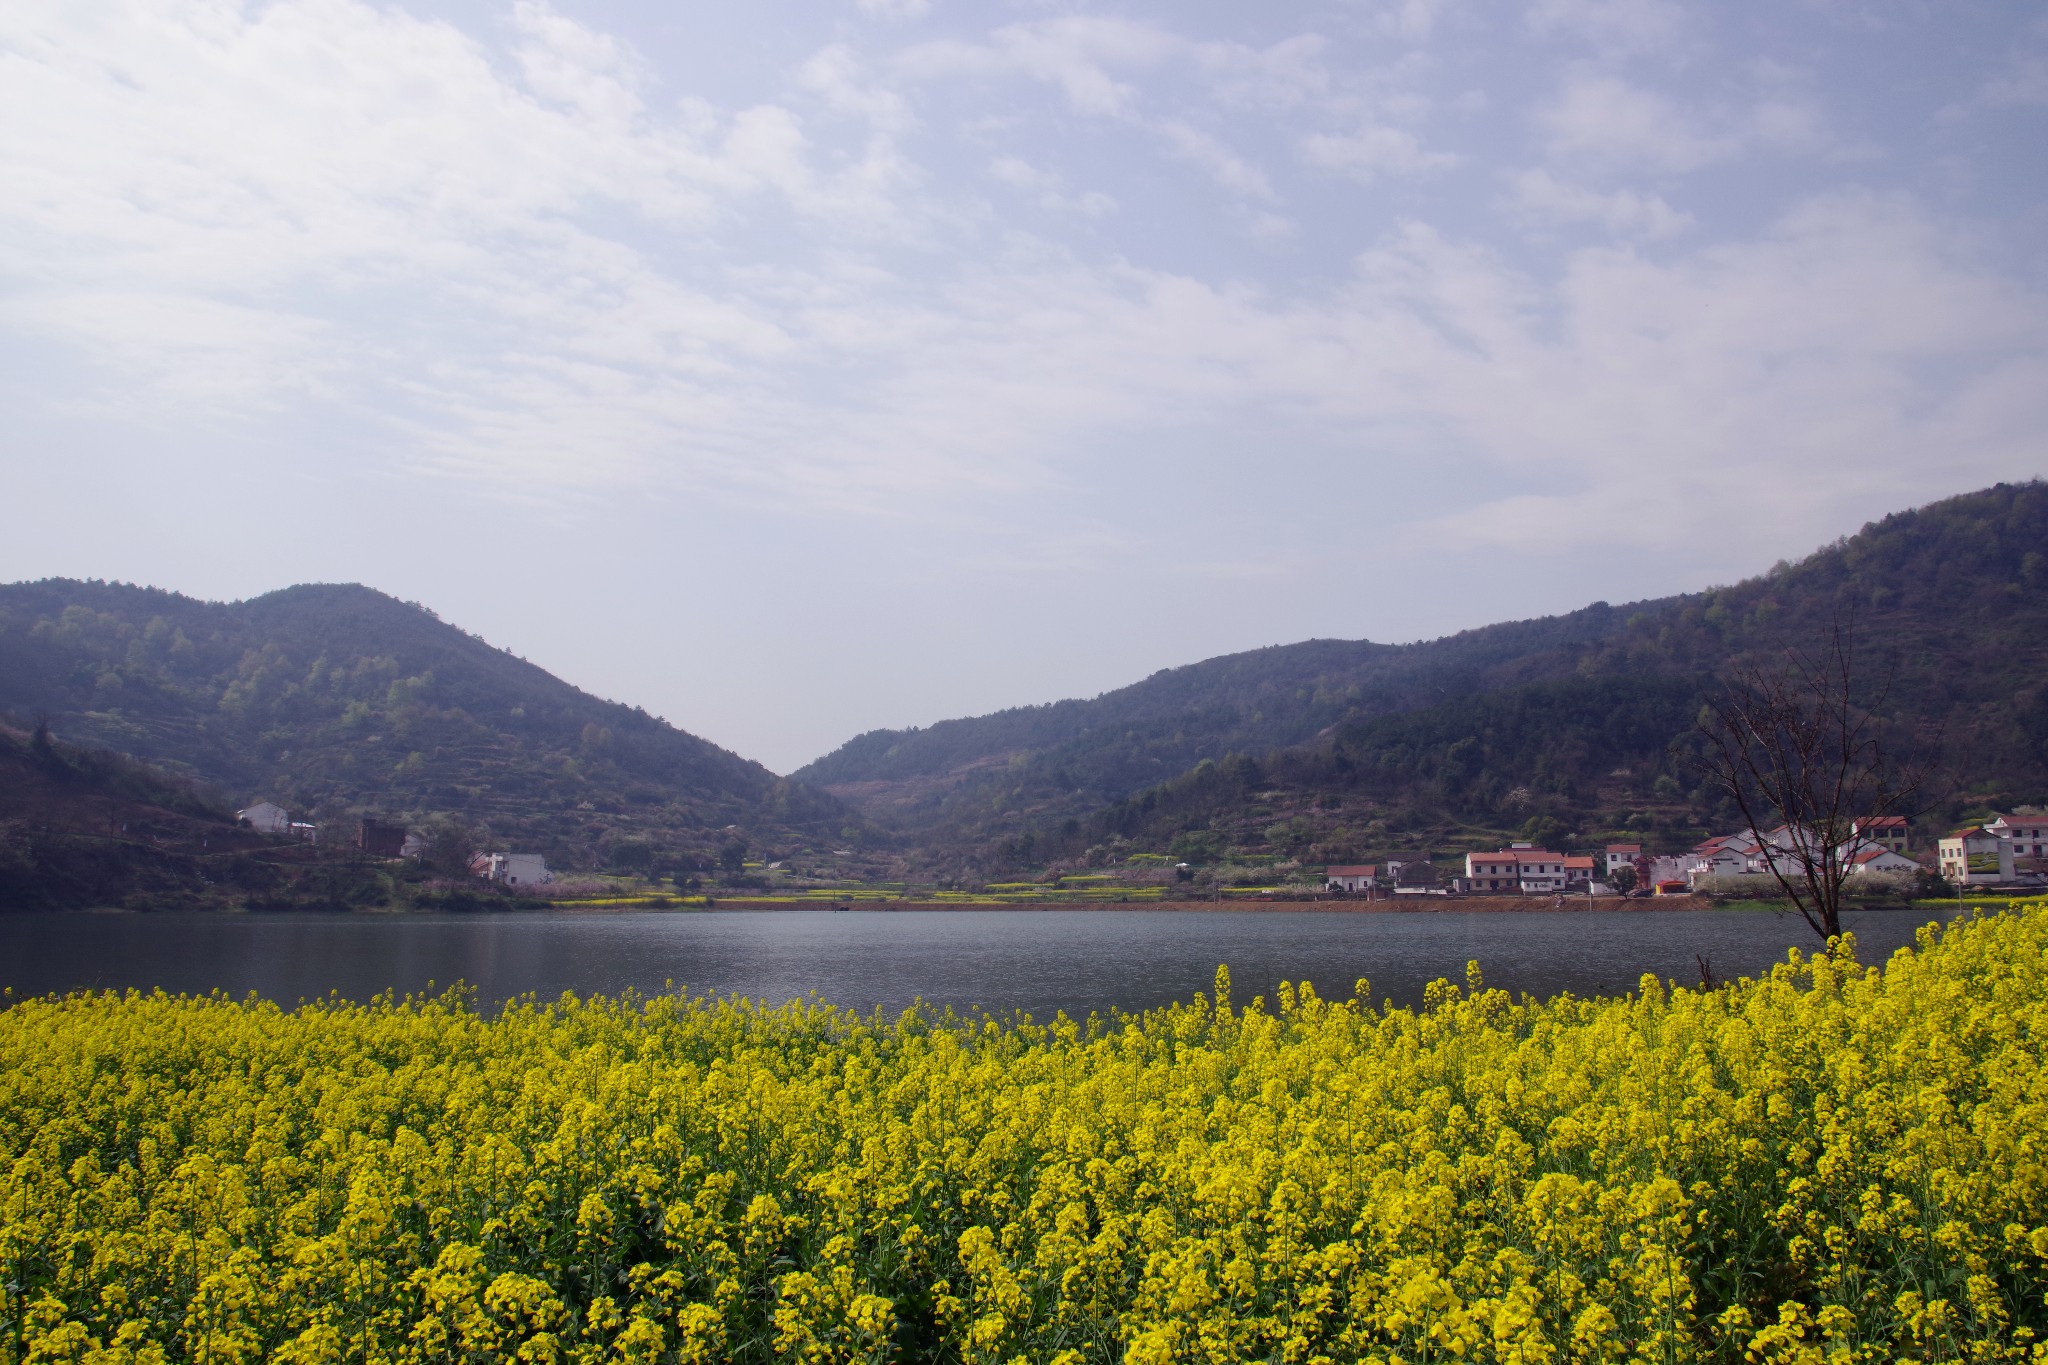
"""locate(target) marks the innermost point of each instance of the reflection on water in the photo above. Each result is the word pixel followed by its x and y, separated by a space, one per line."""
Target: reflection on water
pixel 1039 961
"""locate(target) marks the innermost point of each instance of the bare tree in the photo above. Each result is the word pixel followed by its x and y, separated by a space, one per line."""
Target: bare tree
pixel 1804 760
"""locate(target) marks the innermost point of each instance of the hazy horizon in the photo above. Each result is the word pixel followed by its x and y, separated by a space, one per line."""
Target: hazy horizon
pixel 800 371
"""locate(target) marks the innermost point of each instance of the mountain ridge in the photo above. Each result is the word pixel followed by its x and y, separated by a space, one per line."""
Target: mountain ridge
pixel 1933 593
pixel 341 699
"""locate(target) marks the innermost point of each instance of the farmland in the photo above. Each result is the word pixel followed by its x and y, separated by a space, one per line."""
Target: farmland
pixel 1835 1161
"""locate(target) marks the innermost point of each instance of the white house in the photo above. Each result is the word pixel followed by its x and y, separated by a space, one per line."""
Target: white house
pixel 2028 834
pixel 1876 844
pixel 1730 855
pixel 1518 867
pixel 513 869
pixel 1410 869
pixel 1358 877
pixel 1976 857
pixel 1885 831
pixel 266 817
pixel 1493 872
pixel 1619 856
pixel 1880 860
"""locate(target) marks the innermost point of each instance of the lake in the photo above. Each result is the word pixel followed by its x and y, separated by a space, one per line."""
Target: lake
pixel 998 960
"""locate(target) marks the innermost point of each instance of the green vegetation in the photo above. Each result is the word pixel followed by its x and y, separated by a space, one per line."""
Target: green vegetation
pixel 1832 1162
pixel 1342 751
pixel 84 829
pixel 337 700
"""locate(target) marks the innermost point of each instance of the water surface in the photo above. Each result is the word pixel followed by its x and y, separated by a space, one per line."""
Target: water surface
pixel 999 960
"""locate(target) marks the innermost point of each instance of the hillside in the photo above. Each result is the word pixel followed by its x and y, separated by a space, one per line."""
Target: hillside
pixel 81 827
pixel 1332 749
pixel 336 700
pixel 90 829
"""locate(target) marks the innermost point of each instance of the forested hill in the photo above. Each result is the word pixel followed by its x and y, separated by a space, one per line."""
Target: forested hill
pixel 1237 703
pixel 1570 716
pixel 337 700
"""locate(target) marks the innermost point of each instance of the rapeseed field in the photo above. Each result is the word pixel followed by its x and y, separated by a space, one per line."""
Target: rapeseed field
pixel 1832 1163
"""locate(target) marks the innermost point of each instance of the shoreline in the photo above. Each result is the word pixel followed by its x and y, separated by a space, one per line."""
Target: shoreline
pixel 1430 905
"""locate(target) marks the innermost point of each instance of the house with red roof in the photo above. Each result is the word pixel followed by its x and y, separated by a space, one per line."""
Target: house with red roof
pixel 1352 877
pixel 1520 868
pixel 1976 857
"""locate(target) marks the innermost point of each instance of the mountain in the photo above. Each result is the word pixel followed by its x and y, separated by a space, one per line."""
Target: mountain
pixel 1331 749
pixel 337 700
pixel 90 828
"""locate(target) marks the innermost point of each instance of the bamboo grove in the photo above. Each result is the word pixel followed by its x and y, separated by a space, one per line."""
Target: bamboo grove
pixel 1835 1162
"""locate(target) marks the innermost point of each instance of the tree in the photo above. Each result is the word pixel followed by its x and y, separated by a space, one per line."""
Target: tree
pixel 1802 760
pixel 732 856
pixel 450 843
pixel 1623 879
pixel 632 855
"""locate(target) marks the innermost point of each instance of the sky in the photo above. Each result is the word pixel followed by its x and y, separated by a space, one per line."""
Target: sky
pixel 801 367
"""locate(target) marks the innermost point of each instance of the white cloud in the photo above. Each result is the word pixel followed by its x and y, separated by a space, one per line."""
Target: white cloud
pixel 1271 227
pixel 548 274
pixel 1374 151
pixel 895 9
pixel 1223 165
pixel 2024 81
pixel 567 63
pixel 1539 196
pixel 1410 19
pixel 1048 189
pixel 1607 119
pixel 1754 375
pixel 1079 54
pixel 1618 25
pixel 1292 72
pixel 839 77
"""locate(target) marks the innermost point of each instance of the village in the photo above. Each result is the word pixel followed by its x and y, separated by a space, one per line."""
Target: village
pixel 380 839
pixel 2005 852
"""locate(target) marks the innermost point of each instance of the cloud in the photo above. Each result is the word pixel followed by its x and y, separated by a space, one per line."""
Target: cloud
pixel 1088 57
pixel 2023 82
pixel 1048 189
pixel 839 77
pixel 1613 25
pixel 1223 165
pixel 545 275
pixel 1538 196
pixel 1606 119
pixel 1413 20
pixel 1750 376
pixel 1078 54
pixel 220 204
pixel 1287 75
pixel 1369 152
pixel 895 9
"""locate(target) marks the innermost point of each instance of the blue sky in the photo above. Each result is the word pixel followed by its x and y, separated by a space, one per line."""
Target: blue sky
pixel 793 369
